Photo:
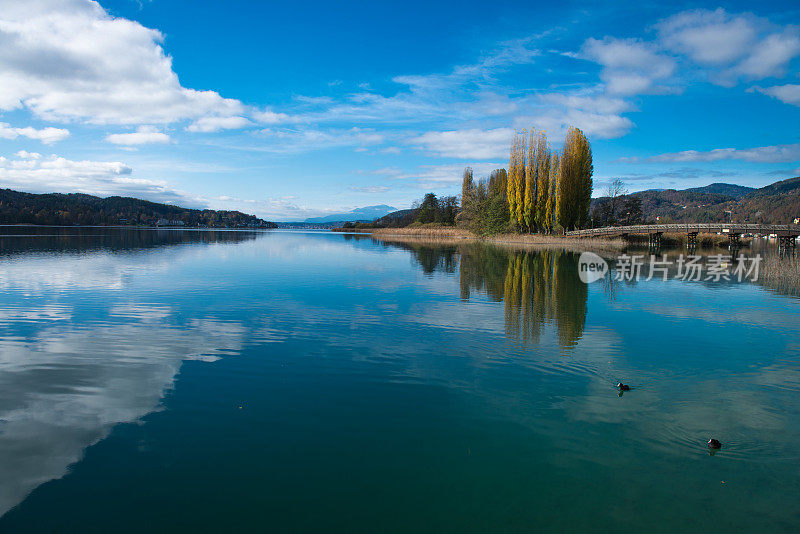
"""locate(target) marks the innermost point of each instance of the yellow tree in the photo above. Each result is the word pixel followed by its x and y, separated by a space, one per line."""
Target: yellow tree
pixel 511 184
pixel 516 179
pixel 529 200
pixel 543 179
pixel 575 184
pixel 555 171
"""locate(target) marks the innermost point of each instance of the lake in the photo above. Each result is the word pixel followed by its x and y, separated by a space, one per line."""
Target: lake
pixel 223 381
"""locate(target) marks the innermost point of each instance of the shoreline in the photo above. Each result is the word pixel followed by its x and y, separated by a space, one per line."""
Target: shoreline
pixel 444 233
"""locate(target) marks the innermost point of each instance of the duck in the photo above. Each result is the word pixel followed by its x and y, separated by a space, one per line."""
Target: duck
pixel 714 444
pixel 623 387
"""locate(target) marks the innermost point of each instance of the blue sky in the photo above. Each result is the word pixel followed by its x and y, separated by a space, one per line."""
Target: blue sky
pixel 290 110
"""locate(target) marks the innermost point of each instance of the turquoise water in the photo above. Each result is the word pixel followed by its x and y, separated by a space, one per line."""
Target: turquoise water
pixel 183 381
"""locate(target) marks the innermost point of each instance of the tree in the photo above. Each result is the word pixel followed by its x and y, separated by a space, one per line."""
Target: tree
pixel 516 174
pixel 437 210
pixel 555 171
pixel 498 182
pixel 511 183
pixel 633 210
pixel 448 210
pixel 543 183
pixel 468 197
pixel 614 191
pixel 428 209
pixel 575 185
pixel 529 200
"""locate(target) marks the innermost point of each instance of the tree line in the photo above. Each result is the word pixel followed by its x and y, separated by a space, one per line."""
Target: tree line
pixel 57 209
pixel 542 190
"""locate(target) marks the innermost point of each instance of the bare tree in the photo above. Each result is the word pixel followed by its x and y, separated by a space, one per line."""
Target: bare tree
pixel 615 190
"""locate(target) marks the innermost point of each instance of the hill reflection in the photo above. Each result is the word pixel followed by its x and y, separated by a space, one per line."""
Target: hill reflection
pixel 45 239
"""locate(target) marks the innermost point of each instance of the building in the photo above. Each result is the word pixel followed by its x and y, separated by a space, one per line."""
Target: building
pixel 167 222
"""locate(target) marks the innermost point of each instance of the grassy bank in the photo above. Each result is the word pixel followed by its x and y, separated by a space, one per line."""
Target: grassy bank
pixel 449 234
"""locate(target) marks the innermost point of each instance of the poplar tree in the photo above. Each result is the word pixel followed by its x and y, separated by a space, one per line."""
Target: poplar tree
pixel 575 185
pixel 516 179
pixel 529 200
pixel 543 180
pixel 555 170
pixel 469 194
pixel 498 183
pixel 511 185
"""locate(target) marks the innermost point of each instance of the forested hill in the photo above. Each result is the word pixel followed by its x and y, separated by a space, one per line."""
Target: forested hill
pixel 79 209
pixel 777 203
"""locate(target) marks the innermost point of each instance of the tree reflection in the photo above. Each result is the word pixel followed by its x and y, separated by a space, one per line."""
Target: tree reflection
pixel 537 288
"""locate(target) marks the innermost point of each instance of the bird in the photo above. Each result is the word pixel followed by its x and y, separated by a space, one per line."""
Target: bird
pixel 714 444
pixel 623 387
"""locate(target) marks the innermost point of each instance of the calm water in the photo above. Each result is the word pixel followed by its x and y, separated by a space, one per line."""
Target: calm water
pixel 314 382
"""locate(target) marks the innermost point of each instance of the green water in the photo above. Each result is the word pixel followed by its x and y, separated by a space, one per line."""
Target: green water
pixel 179 381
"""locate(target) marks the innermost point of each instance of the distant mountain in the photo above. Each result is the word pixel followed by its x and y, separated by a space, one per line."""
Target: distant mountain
pixel 778 203
pixel 79 209
pixel 730 190
pixel 367 213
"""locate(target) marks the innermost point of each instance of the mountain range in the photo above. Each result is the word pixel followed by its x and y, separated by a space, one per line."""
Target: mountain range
pixel 365 214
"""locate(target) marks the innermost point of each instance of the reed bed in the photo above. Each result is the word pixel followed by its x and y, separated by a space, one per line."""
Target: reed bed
pixel 676 240
pixel 425 231
pixel 354 230
pixel 559 241
pixel 781 273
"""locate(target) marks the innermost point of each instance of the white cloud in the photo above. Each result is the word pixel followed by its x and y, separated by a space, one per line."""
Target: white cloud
pixel 291 141
pixel 270 117
pixel 709 37
pixel 771 56
pixel 33 173
pixel 596 115
pixel 370 189
pixel 24 154
pixel 436 176
pixel 732 46
pixel 467 144
pixel 763 154
pixel 630 66
pixel 215 124
pixel 143 135
pixel 70 60
pixel 788 94
pixel 47 136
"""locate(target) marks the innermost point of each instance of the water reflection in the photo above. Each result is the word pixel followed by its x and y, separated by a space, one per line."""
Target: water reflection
pixel 537 287
pixel 364 362
pixel 37 239
pixel 75 359
pixel 63 387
